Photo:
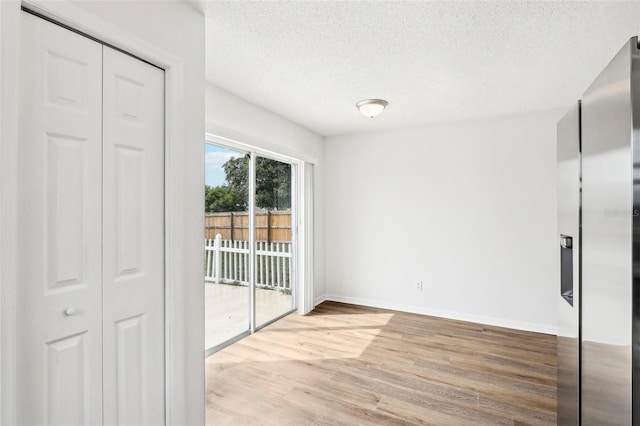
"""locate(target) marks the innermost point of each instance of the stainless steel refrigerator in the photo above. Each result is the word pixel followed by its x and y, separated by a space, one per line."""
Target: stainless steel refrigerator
pixel 599 249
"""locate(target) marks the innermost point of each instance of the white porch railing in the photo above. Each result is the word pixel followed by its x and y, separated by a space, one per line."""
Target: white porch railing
pixel 227 261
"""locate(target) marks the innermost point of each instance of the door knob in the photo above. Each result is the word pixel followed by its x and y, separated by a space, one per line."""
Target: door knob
pixel 69 311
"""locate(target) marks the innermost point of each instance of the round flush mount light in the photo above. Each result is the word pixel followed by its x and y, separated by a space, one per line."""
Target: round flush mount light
pixel 372 107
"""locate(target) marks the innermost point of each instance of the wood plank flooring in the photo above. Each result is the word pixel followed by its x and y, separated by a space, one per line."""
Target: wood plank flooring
pixel 351 365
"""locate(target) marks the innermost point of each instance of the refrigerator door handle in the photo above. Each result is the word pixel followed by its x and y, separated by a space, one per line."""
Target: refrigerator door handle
pixel 566 241
pixel 566 268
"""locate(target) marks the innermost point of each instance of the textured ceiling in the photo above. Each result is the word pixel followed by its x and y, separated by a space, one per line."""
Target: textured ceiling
pixel 312 61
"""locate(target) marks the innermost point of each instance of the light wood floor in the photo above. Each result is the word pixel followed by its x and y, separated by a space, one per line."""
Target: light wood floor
pixel 350 365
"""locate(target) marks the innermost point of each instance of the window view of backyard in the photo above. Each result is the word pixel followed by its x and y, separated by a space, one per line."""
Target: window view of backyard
pixel 227 261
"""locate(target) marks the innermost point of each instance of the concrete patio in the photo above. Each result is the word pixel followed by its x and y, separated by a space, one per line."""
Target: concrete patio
pixel 227 310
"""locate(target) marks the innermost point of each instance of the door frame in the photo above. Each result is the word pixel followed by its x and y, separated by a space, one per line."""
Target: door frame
pixel 178 374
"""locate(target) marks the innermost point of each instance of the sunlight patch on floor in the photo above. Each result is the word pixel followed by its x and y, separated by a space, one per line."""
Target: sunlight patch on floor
pixel 332 330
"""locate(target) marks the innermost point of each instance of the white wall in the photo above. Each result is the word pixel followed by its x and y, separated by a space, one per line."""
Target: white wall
pixel 233 117
pixel 177 29
pixel 468 207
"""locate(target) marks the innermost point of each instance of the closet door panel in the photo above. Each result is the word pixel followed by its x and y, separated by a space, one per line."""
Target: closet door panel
pixel 59 292
pixel 133 235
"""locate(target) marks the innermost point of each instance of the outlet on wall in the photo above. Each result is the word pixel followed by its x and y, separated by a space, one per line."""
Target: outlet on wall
pixel 419 286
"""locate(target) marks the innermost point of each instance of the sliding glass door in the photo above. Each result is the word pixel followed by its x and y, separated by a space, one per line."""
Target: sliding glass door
pixel 273 239
pixel 226 282
pixel 249 244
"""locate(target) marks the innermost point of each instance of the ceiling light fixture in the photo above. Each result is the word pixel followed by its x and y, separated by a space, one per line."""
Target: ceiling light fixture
pixel 372 107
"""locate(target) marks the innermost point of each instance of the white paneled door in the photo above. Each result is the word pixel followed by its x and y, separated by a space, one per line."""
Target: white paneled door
pixel 133 240
pixel 59 290
pixel 90 295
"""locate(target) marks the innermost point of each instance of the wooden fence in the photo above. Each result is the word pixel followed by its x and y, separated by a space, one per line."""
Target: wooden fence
pixel 271 226
pixel 227 261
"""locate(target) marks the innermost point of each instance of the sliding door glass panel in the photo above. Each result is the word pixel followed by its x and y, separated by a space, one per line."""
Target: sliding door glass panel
pixel 274 277
pixel 226 281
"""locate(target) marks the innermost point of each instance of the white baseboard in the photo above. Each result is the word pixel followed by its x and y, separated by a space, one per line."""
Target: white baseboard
pixel 319 300
pixel 498 322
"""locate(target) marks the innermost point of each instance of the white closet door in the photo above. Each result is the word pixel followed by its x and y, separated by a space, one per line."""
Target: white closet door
pixel 59 352
pixel 133 235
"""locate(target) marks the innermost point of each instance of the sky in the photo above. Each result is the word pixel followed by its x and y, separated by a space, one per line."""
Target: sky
pixel 214 157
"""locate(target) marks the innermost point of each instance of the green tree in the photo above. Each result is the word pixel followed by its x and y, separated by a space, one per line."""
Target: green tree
pixel 273 182
pixel 220 199
pixel 236 172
